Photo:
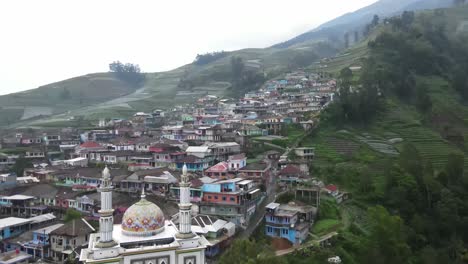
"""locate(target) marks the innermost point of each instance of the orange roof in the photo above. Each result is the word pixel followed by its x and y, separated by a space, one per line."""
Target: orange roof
pixel 90 144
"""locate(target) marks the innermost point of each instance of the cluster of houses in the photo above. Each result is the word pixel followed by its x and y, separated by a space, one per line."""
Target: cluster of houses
pixel 62 169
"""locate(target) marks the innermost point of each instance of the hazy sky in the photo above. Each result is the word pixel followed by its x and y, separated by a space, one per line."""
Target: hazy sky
pixel 44 41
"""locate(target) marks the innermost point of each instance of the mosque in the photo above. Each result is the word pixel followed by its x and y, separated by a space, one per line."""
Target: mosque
pixel 144 237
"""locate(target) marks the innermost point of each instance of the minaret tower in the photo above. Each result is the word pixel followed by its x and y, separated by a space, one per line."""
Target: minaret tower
pixel 185 207
pixel 106 218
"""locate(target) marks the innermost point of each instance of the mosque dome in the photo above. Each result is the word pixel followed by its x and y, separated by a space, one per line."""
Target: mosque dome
pixel 143 218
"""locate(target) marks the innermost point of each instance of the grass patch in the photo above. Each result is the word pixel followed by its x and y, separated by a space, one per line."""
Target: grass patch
pixel 324 226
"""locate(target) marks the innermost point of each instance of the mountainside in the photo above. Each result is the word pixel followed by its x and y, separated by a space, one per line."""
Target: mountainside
pixel 355 21
pixel 396 138
pixel 100 95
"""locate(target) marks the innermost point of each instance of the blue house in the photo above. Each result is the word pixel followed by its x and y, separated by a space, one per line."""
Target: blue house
pixel 193 163
pixel 39 246
pixel 289 221
pixel 7 181
pixel 11 227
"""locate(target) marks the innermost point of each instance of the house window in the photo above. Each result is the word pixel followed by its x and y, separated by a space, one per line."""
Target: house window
pixel 224 198
pixel 216 197
pixel 232 199
pixel 209 197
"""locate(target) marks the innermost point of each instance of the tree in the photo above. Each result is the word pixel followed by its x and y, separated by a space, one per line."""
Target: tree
pixel 346 39
pixel 71 214
pixel 128 72
pixel 65 94
pixel 375 20
pixel 387 241
pixel 423 100
pixel 206 58
pixel 460 81
pixel 454 168
pixel 20 165
pixel 237 68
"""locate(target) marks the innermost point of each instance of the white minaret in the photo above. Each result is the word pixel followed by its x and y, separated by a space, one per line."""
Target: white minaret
pixel 106 219
pixel 185 207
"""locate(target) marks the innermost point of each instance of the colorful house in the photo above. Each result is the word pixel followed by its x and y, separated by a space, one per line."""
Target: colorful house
pixel 289 221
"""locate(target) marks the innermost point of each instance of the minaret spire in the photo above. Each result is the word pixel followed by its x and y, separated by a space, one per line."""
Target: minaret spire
pixel 185 207
pixel 106 218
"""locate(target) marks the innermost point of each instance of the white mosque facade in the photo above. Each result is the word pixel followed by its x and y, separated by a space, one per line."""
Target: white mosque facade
pixel 144 237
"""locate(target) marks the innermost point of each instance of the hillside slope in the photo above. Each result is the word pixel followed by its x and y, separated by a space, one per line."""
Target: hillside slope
pixel 101 95
pixel 413 197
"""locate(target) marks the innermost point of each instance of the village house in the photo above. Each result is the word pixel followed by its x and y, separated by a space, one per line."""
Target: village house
pixel 35 153
pixel 88 149
pixel 194 163
pixel 7 160
pixel 291 175
pixel 7 181
pixel 234 200
pixel 219 233
pixel 289 221
pixel 155 181
pixel 219 150
pixel 259 172
pixel 304 153
pixel 166 155
pixel 39 245
pixel 69 238
pixel 219 171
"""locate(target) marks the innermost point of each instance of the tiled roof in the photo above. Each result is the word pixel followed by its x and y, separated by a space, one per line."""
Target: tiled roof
pixel 220 167
pixel 289 170
pixel 255 166
pixel 90 144
pixel 331 188
pixel 74 228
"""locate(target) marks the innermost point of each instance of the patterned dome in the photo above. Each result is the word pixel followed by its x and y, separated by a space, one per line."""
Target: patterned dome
pixel 144 218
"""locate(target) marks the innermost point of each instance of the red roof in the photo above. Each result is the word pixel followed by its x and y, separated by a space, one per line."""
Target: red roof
pixel 220 167
pixel 90 144
pixel 290 169
pixel 331 187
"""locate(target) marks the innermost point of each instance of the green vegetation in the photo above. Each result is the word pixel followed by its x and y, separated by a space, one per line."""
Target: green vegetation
pixel 325 226
pixel 203 59
pixel 20 165
pixel 407 89
pixel 127 72
pixel 71 214
pixel 247 251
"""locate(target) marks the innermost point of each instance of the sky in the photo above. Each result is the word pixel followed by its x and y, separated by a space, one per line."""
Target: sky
pixel 51 40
